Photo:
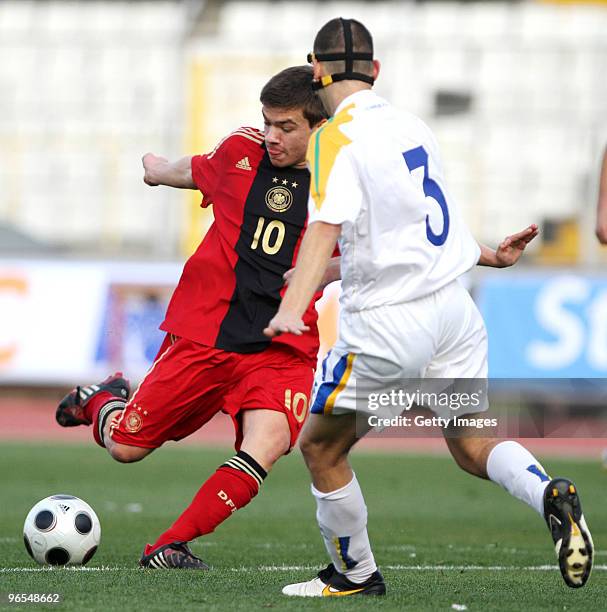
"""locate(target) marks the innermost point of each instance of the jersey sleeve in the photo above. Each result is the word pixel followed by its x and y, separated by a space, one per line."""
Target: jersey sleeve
pixel 206 170
pixel 210 169
pixel 335 192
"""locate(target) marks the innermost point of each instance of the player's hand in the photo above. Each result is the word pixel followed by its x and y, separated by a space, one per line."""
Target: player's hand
pixel 288 275
pixel 601 228
pixel 332 273
pixel 511 248
pixel 285 323
pixel 150 161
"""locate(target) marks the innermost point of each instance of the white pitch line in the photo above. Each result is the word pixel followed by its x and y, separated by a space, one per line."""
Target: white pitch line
pixel 46 568
pixel 489 568
pixel 418 568
pixel 298 568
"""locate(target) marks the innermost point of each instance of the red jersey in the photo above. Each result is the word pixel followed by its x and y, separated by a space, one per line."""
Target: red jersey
pixel 231 286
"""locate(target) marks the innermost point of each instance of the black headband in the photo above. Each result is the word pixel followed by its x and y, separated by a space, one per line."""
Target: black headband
pixel 348 55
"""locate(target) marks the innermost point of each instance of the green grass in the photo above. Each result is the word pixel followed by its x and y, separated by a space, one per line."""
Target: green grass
pixel 423 511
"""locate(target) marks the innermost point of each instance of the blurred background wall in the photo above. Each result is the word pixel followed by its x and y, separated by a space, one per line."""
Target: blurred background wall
pixel 516 94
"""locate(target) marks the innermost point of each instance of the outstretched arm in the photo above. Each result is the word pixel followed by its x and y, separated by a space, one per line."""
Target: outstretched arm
pixel 601 209
pixel 160 171
pixel 316 250
pixel 509 250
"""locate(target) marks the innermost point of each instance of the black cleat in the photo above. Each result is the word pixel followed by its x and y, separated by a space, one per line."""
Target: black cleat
pixel 330 583
pixel 70 411
pixel 176 555
pixel 573 543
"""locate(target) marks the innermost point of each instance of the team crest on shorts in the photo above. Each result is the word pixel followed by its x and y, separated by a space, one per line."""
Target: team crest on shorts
pixel 133 422
pixel 279 199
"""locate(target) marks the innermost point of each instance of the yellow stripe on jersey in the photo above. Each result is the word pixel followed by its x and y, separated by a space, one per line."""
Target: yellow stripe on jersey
pixel 323 149
pixel 342 383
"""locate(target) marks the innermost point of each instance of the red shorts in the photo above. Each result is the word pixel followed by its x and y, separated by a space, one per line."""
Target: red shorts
pixel 189 383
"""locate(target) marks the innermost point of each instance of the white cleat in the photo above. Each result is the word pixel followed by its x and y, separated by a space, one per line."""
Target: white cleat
pixel 330 583
pixel 312 588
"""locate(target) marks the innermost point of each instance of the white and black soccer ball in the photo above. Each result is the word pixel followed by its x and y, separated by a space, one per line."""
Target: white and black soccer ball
pixel 61 530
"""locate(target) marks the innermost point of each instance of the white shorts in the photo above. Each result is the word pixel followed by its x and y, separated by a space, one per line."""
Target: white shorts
pixel 439 336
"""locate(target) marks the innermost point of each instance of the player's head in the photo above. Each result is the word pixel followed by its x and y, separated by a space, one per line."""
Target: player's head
pixel 291 111
pixel 343 51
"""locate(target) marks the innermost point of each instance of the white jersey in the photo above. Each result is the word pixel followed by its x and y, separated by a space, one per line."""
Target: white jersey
pixel 376 171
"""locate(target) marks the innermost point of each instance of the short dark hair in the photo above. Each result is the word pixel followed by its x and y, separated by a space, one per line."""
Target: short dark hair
pixel 330 39
pixel 292 88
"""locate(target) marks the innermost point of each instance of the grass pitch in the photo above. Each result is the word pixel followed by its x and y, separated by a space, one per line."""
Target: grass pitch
pixel 441 537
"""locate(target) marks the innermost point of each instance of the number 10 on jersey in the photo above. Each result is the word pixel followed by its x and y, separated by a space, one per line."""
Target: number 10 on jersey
pixel 418 158
pixel 272 236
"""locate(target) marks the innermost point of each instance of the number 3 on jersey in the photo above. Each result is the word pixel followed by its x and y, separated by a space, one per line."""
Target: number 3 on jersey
pixel 418 158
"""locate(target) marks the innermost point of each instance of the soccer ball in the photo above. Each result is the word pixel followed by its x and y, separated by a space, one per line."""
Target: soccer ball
pixel 61 530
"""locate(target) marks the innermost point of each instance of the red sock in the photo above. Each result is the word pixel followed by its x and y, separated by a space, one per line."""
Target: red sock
pixel 97 410
pixel 230 488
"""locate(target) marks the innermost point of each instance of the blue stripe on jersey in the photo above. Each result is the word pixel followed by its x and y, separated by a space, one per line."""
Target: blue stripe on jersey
pixel 326 388
pixel 324 365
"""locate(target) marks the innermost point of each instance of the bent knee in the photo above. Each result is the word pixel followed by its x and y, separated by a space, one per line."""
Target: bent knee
pixel 321 454
pixel 267 450
pixel 278 445
pixel 128 454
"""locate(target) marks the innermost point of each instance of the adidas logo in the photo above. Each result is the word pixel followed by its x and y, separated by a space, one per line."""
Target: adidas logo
pixel 244 164
pixel 86 392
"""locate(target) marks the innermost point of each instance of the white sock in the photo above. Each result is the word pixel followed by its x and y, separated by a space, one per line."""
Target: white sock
pixel 342 518
pixel 513 467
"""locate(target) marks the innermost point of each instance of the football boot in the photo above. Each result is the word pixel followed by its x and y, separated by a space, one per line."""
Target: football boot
pixel 330 583
pixel 71 410
pixel 572 540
